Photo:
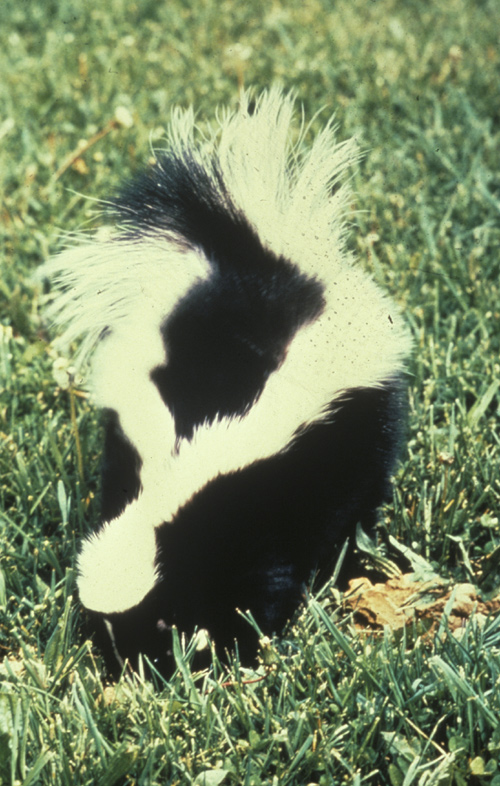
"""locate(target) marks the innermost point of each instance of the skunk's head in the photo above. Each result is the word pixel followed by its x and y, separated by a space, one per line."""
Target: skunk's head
pixel 252 376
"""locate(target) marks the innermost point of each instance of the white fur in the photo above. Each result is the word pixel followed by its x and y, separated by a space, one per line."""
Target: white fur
pixel 282 190
pixel 286 195
pixel 121 557
pixel 126 287
pixel 132 287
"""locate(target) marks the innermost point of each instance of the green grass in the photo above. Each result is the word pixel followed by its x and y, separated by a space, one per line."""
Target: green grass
pixel 418 84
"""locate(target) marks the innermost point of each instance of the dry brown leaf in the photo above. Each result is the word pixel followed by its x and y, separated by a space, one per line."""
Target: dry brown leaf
pixel 402 599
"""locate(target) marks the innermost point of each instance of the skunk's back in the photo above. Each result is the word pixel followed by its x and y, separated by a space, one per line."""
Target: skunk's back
pixel 234 339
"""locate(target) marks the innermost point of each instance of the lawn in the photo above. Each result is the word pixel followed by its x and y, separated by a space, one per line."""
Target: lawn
pixel 86 91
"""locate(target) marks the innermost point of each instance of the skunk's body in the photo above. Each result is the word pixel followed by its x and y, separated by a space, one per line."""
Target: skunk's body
pixel 253 380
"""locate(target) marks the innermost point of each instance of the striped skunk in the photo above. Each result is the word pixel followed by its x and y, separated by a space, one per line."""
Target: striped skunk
pixel 253 379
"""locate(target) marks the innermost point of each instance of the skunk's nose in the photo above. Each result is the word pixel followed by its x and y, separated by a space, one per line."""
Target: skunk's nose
pixel 127 636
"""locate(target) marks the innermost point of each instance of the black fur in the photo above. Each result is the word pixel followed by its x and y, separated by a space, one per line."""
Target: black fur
pixel 179 197
pixel 255 538
pixel 226 337
pixel 121 467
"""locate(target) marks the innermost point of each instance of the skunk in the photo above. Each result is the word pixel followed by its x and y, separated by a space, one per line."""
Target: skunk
pixel 253 379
